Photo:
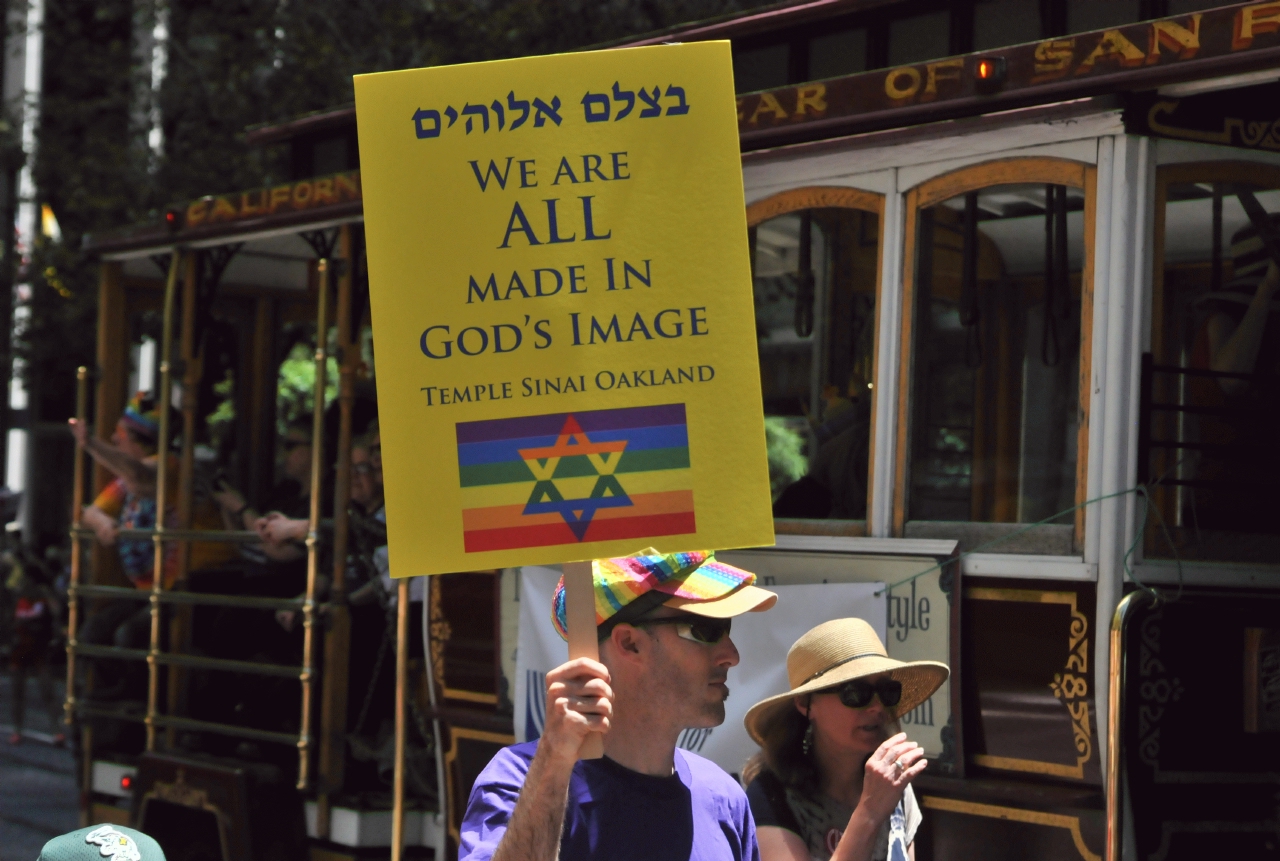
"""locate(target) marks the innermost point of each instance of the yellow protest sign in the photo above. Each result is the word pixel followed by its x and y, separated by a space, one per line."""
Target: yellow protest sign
pixel 562 309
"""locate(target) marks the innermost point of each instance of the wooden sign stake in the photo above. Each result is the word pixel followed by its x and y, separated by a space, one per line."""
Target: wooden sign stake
pixel 580 613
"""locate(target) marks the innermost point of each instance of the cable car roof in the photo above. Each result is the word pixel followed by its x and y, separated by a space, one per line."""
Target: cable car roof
pixel 1222 47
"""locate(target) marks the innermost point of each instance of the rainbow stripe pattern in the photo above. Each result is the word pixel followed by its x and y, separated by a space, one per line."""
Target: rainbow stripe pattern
pixel 571 478
pixel 695 576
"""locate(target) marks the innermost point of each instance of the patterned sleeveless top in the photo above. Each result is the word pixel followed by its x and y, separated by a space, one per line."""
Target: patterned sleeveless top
pixel 820 821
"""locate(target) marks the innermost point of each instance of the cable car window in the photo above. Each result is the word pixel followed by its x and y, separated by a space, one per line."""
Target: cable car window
pixel 919 38
pixel 816 272
pixel 997 23
pixel 995 392
pixel 1211 387
pixel 1182 7
pixel 1086 15
pixel 756 69
pixel 834 54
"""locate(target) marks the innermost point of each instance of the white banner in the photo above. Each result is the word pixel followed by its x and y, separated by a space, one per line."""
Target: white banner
pixel 762 640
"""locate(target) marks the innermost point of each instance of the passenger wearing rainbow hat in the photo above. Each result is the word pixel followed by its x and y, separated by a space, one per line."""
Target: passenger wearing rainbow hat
pixel 128 502
pixel 663 624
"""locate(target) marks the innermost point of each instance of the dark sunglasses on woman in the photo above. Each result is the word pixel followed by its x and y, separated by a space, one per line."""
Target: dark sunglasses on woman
pixel 857 694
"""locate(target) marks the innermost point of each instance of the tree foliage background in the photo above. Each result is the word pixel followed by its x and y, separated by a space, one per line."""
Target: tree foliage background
pixel 232 64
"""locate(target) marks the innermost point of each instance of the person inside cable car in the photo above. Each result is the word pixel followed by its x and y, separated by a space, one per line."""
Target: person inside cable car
pixel 261 570
pixel 1241 336
pixel 128 502
pixel 835 485
pixel 372 598
pixel 368 530
pixel 833 776
pixel 285 521
pixel 291 497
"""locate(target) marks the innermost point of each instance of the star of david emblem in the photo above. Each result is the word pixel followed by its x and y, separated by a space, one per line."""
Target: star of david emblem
pixel 546 497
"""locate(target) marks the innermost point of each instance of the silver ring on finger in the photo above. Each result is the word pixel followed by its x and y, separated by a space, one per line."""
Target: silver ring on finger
pixel 897 763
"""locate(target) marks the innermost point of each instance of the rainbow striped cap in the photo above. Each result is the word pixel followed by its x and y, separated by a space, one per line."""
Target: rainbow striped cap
pixel 628 587
pixel 142 416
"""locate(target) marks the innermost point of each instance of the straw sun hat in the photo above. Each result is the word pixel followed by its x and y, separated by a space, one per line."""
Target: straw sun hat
pixel 839 651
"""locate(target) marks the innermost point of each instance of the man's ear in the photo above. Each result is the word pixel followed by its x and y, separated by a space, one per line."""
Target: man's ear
pixel 626 641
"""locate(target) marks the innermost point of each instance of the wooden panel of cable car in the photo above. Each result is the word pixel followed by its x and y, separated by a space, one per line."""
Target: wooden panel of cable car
pixel 1029 693
pixel 464 637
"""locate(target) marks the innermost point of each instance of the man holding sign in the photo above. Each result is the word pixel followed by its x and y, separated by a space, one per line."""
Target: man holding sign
pixel 663 624
pixel 562 306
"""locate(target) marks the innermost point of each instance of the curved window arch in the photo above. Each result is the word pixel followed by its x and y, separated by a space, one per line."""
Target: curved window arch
pixel 814 197
pixel 993 395
pixel 815 259
pixel 1211 389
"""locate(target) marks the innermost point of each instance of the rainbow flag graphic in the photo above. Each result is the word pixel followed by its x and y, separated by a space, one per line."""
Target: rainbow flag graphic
pixel 568 478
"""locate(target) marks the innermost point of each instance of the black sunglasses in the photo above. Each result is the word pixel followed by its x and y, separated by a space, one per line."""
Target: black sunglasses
pixel 857 694
pixel 699 629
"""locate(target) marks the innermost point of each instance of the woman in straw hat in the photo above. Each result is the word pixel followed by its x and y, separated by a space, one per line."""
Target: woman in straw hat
pixel 832 777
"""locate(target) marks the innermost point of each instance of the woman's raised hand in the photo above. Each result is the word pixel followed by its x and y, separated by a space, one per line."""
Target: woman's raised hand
pixel 79 430
pixel 894 764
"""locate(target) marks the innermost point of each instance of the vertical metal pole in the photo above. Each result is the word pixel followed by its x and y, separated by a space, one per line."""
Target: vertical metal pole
pixel 970 305
pixel 73 603
pixel 77 549
pixel 441 817
pixel 1215 275
pixel 192 370
pixel 1115 679
pixel 313 528
pixel 1050 246
pixel 402 696
pixel 969 311
pixel 1062 265
pixel 162 478
pixel 1050 353
pixel 337 639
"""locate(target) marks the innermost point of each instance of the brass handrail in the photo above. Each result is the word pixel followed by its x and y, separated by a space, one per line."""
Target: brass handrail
pixel 244 602
pixel 331 735
pixel 402 694
pixel 256 668
pixel 122 653
pixel 225 536
pixel 284 671
pixel 190 723
pixel 127 593
pixel 77 552
pixel 289 738
pixel 162 490
pixel 313 527
pixel 199 599
pixel 1115 675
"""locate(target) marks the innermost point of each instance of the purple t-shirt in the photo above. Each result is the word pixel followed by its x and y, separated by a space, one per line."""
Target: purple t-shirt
pixel 697 814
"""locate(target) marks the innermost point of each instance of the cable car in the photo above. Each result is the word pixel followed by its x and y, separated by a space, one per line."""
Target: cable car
pixel 1019 354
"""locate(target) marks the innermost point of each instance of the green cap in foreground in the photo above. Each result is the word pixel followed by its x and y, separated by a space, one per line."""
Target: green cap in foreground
pixel 99 842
